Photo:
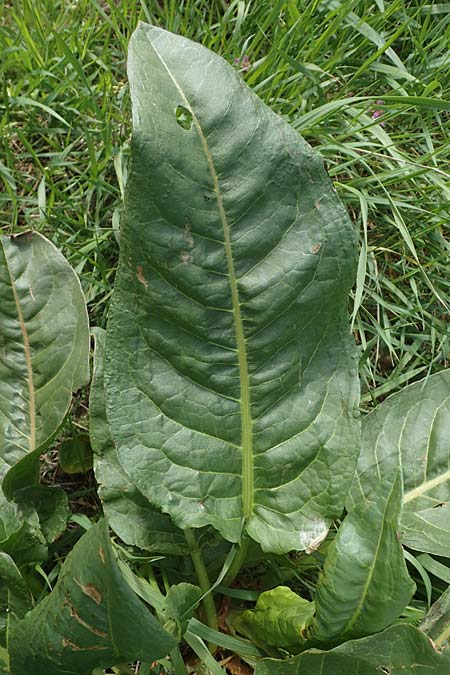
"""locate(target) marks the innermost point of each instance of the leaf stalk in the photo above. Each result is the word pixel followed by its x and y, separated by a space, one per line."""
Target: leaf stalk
pixel 203 579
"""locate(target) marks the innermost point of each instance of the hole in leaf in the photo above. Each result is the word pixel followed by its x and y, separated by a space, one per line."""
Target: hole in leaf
pixel 184 117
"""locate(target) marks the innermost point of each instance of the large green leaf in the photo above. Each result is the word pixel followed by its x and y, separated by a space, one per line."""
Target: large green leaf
pixel 399 650
pixel 231 378
pixel 130 514
pixel 91 618
pixel 410 432
pixel 364 585
pixel 44 347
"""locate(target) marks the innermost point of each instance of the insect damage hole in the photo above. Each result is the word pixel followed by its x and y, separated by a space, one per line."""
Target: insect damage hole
pixel 183 117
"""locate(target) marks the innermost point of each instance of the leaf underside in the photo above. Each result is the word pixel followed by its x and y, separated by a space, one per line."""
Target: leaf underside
pixel 231 379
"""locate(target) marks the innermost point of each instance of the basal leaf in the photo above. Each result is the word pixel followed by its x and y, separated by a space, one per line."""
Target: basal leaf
pixel 278 620
pixel 364 585
pixel 231 379
pixel 130 514
pixel 410 432
pixel 399 650
pixel 91 619
pixel 44 347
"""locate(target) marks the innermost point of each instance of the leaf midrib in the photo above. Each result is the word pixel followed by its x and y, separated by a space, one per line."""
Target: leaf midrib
pixel 358 609
pixel 426 487
pixel 27 351
pixel 246 420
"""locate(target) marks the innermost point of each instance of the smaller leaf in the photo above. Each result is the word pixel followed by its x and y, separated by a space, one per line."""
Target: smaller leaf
pixel 279 619
pixel 364 585
pixel 179 606
pixel 52 507
pixel 75 454
pixel 20 532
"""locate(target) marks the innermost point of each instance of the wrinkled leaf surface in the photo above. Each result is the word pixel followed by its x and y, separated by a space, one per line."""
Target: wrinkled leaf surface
pixel 129 513
pixel 231 378
pixel 279 619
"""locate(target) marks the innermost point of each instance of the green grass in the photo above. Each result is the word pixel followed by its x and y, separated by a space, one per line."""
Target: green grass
pixel 324 65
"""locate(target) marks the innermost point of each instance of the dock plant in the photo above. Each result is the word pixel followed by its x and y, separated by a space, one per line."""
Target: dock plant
pixel 253 520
